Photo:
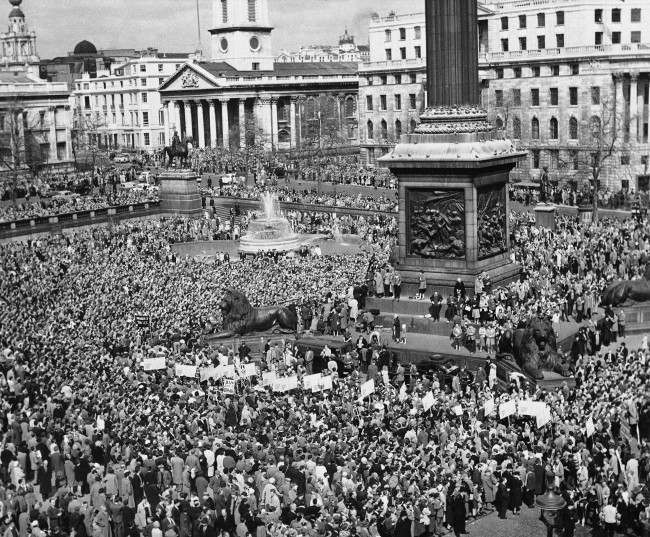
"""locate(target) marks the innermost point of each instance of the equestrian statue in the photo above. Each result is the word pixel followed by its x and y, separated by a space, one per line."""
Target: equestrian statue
pixel 180 149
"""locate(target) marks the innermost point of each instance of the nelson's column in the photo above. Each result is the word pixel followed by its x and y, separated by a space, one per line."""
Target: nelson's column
pixel 453 171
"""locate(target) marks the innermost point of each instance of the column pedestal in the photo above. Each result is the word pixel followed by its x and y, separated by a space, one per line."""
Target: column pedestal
pixel 179 193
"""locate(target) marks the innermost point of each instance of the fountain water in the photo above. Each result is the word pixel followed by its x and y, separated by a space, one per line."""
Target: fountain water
pixel 270 230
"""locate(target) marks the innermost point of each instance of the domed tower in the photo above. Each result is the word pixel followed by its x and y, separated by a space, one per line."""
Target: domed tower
pixel 18 44
pixel 242 34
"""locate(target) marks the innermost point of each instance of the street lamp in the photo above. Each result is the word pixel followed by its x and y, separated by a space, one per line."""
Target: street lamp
pixel 550 503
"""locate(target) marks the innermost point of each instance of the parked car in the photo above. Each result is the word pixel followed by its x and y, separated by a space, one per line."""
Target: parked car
pixel 122 159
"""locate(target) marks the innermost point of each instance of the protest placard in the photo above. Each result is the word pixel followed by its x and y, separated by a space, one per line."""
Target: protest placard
pixel 507 409
pixel 427 401
pixel 542 415
pixel 249 370
pixel 326 383
pixel 458 410
pixel 366 389
pixel 229 386
pixel 153 364
pixel 488 407
pixel 229 371
pixel 384 376
pixel 402 393
pixel 188 371
pixel 591 429
pixel 309 381
pixel 268 377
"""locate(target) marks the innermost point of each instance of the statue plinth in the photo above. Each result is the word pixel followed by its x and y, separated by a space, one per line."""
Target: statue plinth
pixel 179 192
pixel 453 198
pixel 545 216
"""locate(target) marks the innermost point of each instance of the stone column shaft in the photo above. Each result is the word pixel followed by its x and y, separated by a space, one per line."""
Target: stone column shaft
pixel 52 136
pixel 201 125
pixel 189 131
pixel 242 123
pixel 213 124
pixel 225 125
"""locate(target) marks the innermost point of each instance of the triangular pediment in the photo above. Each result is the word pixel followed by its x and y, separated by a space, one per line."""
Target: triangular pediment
pixel 190 77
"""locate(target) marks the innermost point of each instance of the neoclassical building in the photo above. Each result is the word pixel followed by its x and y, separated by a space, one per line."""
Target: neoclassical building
pixel 243 95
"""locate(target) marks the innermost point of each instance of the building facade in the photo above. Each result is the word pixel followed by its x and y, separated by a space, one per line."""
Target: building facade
pixel 242 95
pixel 121 108
pixel 550 72
pixel 346 51
pixel 35 115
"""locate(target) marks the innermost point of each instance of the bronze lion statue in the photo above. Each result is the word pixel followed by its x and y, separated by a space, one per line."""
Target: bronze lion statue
pixel 625 291
pixel 240 318
pixel 534 349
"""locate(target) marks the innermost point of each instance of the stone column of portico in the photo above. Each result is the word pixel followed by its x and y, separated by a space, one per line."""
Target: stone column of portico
pixel 176 127
pixel 292 124
pixel 619 104
pixel 52 136
pixel 242 123
pixel 274 122
pixel 225 124
pixel 213 124
pixel 301 102
pixel 168 120
pixel 264 109
pixel 189 131
pixel 201 125
pixel 634 111
pixel 68 133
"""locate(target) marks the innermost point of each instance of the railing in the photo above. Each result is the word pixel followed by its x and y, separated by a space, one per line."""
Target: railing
pixel 54 223
pixel 587 50
pixel 393 64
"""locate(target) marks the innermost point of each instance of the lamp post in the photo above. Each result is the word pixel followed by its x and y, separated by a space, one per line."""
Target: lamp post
pixel 549 503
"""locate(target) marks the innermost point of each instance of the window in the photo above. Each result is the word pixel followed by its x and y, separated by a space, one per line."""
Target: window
pixel 499 123
pixel 555 70
pixel 398 79
pixel 256 66
pixel 595 95
pixel 143 68
pixel 498 97
pixel 598 38
pixel 505 46
pixel 635 37
pixel 516 127
pixel 383 79
pixel 534 96
pixel 559 18
pixel 636 14
pixel 147 140
pixel 252 10
pixel 387 36
pixel 402 34
pixel 161 81
pixel 554 96
pixel 161 67
pixel 398 128
pixel 86 102
pixel 625 159
pixel 534 129
pixel 161 117
pixel 499 72
pixel 413 125
pixel 616 38
pixel 413 101
pixel 371 81
pixel 350 107
pixel 144 97
pixel 418 51
pixel 536 72
pixel 382 102
pixel 384 129
pixel 369 105
pixel 598 16
pixel 504 23
pixel 371 130
pixel 516 97
pixel 418 32
pixel 517 72
pixel 522 43
pixel 398 102
pixel 573 128
pixel 143 81
pixel 145 119
pixel 559 40
pixel 389 54
pixel 402 53
pixel 616 15
pixel 224 11
pixel 414 78
pixel 553 129
pixel 535 158
pixel 573 96
pixel 541 20
pixel 522 21
pixel 575 68
pixel 541 42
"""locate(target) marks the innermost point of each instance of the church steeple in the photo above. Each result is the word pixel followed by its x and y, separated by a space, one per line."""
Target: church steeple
pixel 18 44
pixel 241 35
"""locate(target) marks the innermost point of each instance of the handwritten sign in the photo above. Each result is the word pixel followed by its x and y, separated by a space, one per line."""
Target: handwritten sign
pixel 367 388
pixel 428 401
pixel 229 386
pixel 153 364
pixel 188 371
pixel 488 407
pixel 309 381
pixel 507 409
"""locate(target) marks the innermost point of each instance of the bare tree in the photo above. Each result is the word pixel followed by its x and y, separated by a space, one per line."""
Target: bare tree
pixel 85 139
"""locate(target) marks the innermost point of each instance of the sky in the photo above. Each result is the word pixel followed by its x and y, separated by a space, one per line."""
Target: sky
pixel 170 25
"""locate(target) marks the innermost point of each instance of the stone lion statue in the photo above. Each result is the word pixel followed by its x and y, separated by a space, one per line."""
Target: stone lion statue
pixel 240 318
pixel 626 291
pixel 534 349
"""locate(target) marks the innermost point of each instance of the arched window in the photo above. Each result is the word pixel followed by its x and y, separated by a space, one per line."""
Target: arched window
pixel 371 130
pixel 330 112
pixel 414 125
pixel 283 136
pixel 553 129
pixel 252 10
pixel 384 129
pixel 516 127
pixel 534 129
pixel 398 128
pixel 350 107
pixel 499 123
pixel 595 126
pixel 573 128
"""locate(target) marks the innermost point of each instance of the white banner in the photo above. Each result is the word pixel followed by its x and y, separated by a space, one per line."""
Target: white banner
pixel 543 415
pixel 367 388
pixel 488 407
pixel 458 410
pixel 326 383
pixel 309 381
pixel 507 409
pixel 428 401
pixel 249 370
pixel 153 364
pixel 185 370
pixel 268 377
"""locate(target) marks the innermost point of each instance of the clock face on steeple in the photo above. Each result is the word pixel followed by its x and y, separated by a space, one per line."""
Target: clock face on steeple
pixel 254 43
pixel 223 44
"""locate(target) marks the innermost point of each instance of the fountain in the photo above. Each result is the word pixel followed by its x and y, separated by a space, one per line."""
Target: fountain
pixel 269 230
